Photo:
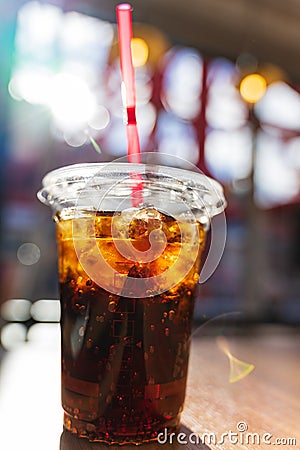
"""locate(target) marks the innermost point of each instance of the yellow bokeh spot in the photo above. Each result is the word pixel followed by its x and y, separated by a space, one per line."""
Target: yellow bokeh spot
pixel 140 52
pixel 238 369
pixel 253 87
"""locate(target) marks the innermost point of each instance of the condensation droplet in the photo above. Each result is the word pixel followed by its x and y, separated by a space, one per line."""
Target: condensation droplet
pixel 76 411
pixel 100 319
pixel 152 327
pixel 171 314
pixel 167 331
pixel 165 314
pixel 112 306
pixel 81 331
pixel 151 349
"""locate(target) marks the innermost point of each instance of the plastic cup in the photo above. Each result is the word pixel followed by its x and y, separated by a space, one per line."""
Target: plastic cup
pixel 127 282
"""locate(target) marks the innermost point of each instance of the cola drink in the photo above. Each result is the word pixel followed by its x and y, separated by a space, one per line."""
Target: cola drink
pixel 124 359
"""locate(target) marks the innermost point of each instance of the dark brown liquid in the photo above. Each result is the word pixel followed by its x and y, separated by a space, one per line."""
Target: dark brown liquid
pixel 124 360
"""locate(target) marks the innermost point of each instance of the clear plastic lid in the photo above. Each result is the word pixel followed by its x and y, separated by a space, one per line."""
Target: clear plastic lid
pixel 63 187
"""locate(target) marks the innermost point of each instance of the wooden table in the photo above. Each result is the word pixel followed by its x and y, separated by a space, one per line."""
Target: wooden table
pixel 266 402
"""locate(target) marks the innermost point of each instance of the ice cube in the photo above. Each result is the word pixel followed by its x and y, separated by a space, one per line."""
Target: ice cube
pixel 144 221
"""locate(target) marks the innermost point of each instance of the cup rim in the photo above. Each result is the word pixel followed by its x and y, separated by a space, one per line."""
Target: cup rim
pixel 83 172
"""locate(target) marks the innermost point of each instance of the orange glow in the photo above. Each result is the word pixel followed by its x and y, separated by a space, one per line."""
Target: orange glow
pixel 253 87
pixel 140 52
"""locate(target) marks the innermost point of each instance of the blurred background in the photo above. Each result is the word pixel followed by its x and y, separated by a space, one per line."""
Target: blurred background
pixel 217 84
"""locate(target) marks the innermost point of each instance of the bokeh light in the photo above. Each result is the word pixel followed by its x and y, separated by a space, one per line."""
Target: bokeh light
pixel 146 118
pixel 76 138
pixel 253 87
pixel 12 335
pixel 16 310
pixel 28 253
pixel 100 119
pixel 225 109
pixel 228 154
pixel 182 83
pixel 44 334
pixel 177 138
pixel 59 57
pixel 46 310
pixel 246 62
pixel 280 107
pixel 38 25
pixel 144 86
pixel 140 52
pixel 31 85
pixel 71 101
pixel 85 38
pixel 115 141
pixel 24 392
pixel 293 153
pixel 13 88
pixel 275 180
pixel 272 73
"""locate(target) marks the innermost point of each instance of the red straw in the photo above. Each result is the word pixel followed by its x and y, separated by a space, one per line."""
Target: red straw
pixel 124 20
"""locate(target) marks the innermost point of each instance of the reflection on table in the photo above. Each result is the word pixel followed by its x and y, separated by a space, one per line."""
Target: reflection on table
pixel 263 402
